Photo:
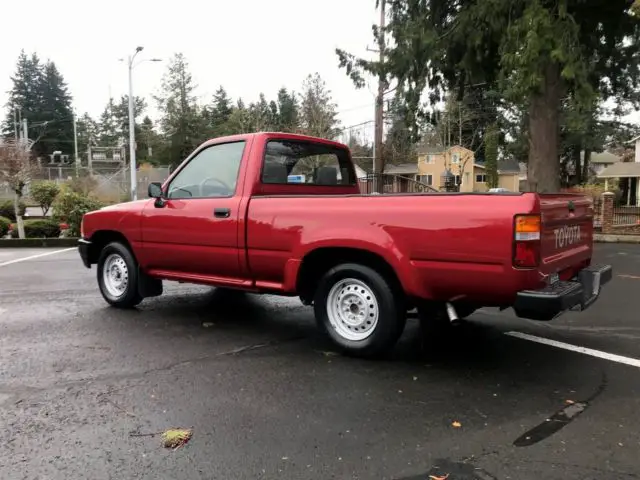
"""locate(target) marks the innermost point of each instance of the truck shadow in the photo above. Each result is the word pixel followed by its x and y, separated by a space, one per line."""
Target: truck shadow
pixel 469 346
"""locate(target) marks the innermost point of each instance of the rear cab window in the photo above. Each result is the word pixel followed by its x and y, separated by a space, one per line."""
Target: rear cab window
pixel 303 167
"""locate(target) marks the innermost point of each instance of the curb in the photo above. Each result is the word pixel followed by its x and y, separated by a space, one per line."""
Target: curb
pixel 601 238
pixel 38 242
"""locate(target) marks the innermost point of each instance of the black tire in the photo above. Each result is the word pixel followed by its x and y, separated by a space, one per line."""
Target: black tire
pixel 130 297
pixel 391 313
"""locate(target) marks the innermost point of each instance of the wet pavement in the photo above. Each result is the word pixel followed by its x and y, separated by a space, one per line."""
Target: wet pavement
pixel 267 397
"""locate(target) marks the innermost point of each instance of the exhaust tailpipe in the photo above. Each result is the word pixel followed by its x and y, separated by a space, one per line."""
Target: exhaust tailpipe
pixel 452 314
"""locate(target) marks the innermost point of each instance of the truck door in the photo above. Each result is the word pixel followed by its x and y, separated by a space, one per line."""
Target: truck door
pixel 194 230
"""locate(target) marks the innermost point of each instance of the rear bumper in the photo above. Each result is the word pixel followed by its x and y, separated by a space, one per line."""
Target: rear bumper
pixel 83 249
pixel 553 300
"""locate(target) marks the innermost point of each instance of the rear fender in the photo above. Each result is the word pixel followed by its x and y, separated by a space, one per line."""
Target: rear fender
pixel 380 244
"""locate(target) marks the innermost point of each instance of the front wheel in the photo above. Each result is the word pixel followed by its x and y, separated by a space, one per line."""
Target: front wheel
pixel 118 276
pixel 359 310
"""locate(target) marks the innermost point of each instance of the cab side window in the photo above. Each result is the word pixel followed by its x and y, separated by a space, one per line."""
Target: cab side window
pixel 213 172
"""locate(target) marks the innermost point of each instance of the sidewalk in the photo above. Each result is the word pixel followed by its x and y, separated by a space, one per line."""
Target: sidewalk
pixel 611 238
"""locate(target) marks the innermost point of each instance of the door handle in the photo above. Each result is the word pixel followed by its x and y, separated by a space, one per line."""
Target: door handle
pixel 221 212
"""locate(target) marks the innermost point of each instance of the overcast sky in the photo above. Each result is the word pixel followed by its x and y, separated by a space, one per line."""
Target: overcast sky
pixel 248 46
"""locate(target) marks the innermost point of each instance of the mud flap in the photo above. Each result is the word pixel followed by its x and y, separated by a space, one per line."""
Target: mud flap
pixel 148 286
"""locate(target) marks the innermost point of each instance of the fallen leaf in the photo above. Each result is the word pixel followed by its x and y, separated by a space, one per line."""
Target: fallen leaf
pixel 435 477
pixel 176 437
pixel 456 424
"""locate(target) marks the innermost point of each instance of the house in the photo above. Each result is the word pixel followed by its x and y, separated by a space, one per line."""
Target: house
pixel 599 161
pixel 629 170
pixel 433 162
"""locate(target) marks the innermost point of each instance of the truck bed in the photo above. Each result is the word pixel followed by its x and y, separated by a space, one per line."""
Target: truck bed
pixel 442 245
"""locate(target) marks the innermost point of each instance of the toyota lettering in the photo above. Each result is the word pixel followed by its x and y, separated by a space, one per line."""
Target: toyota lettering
pixel 567 236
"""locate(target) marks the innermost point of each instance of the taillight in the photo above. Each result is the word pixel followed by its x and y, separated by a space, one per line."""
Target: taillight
pixel 526 246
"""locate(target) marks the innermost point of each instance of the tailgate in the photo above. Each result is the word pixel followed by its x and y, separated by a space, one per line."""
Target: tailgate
pixel 567 232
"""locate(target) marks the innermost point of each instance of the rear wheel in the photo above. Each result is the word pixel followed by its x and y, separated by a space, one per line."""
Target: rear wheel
pixel 359 310
pixel 118 276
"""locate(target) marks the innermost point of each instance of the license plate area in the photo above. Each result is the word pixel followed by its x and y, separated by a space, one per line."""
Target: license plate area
pixel 554 278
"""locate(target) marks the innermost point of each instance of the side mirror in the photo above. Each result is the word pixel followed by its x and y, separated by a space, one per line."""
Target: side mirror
pixel 155 190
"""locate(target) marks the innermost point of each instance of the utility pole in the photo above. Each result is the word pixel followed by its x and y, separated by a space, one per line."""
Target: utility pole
pixel 132 134
pixel 460 122
pixel 75 146
pixel 379 111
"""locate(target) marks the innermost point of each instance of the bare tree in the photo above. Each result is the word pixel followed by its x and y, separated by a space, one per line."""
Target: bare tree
pixel 17 168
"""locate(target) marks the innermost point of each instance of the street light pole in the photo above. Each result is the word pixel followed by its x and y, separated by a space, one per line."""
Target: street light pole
pixel 132 123
pixel 132 133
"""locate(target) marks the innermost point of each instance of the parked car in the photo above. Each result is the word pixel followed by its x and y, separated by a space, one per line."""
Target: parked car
pixel 230 216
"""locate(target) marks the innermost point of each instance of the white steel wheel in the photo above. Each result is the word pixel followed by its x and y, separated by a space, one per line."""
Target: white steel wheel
pixel 353 309
pixel 115 275
pixel 359 309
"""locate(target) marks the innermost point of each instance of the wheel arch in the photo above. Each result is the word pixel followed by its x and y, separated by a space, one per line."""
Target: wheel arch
pixel 101 238
pixel 322 259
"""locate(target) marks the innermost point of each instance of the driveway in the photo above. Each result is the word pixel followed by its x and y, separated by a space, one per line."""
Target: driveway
pixel 267 398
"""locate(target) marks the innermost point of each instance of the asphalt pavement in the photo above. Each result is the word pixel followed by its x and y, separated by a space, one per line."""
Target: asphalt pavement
pixel 267 397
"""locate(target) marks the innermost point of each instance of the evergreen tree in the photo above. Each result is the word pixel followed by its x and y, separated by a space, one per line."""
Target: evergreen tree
pixel 149 143
pixel 88 134
pixel 218 114
pixel 110 135
pixel 288 116
pixel 240 119
pixel 399 146
pixel 25 92
pixel 41 96
pixel 318 112
pixel 261 115
pixel 56 113
pixel 182 121
pixel 113 126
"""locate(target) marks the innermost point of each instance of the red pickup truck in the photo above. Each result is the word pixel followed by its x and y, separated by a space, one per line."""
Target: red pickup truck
pixel 282 214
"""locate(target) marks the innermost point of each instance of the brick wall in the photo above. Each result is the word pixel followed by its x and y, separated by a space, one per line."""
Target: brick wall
pixel 609 214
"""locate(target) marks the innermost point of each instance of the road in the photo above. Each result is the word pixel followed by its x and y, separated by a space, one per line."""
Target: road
pixel 267 397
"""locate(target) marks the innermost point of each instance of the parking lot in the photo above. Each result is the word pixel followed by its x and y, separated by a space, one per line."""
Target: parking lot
pixel 267 398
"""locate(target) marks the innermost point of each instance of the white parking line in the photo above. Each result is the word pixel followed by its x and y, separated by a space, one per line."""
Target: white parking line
pixel 32 257
pixel 634 362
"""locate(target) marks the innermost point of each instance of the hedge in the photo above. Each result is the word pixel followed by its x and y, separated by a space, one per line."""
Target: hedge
pixel 7 210
pixel 38 229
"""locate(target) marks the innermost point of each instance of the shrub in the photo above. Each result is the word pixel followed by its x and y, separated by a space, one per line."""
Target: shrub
pixel 5 223
pixel 44 193
pixel 7 210
pixel 71 206
pixel 39 229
